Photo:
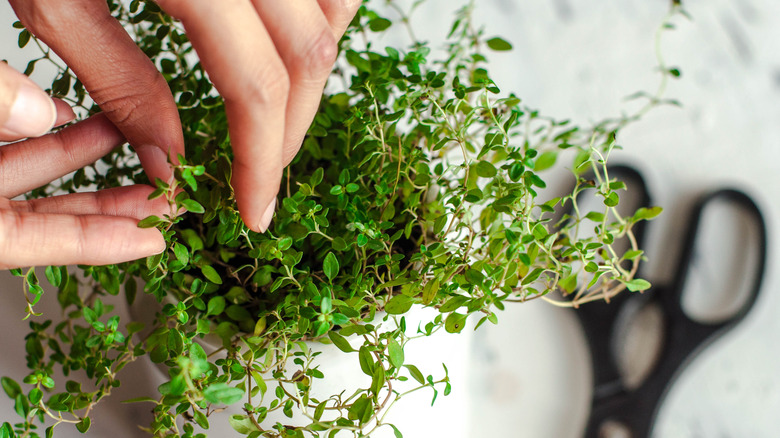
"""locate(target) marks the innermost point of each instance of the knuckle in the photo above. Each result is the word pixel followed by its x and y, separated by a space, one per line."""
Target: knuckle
pixel 185 9
pixel 10 225
pixel 270 85
pixel 5 231
pixel 320 53
pixel 349 5
pixel 33 14
pixel 50 17
pixel 108 203
pixel 80 243
pixel 175 8
pixel 126 100
pixel 342 6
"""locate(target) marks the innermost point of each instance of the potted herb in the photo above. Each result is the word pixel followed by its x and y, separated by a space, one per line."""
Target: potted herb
pixel 418 185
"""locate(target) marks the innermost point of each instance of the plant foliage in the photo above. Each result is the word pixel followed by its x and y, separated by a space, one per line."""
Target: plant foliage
pixel 418 185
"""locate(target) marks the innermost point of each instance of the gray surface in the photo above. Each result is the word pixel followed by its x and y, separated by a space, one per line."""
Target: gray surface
pixel 578 58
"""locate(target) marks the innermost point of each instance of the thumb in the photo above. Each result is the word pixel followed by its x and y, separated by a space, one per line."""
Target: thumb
pixel 25 109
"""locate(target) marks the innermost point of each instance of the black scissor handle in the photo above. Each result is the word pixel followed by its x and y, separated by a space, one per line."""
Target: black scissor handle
pixel 634 412
pixel 672 301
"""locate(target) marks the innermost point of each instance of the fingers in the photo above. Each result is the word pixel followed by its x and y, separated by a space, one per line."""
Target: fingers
pixel 130 201
pixel 25 109
pixel 307 45
pixel 339 14
pixel 30 239
pixel 306 36
pixel 120 78
pixel 65 113
pixel 270 61
pixel 240 57
pixel 32 163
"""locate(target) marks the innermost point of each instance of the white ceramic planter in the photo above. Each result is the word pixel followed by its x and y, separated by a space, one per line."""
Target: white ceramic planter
pixel 413 415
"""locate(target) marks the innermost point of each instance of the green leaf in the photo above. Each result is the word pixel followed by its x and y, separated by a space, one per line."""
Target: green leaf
pixel 395 352
pixel 201 419
pixel 474 276
pixel 238 313
pixel 377 380
pixel 54 275
pixel 617 185
pixel 499 44
pixel 568 283
pixel 83 425
pixel 454 303
pixel 439 224
pixel 647 213
pixel 485 169
pixel 216 305
pixel 595 216
pixel 89 315
pixel 340 342
pixel 361 409
pixel 140 400
pixel 396 432
pixel 316 177
pixel 284 243
pixel 379 24
pixel 211 274
pixel 366 361
pixel 24 38
pixel 326 304
pixel 545 161
pixel 416 374
pixel 193 206
pixel 319 411
pixel 430 290
pixel 637 285
pixel 242 424
pixel 6 431
pixel 339 244
pixel 149 222
pixel 181 253
pixel 398 305
pixel 320 328
pixel 193 239
pixel 198 354
pixel 10 387
pixel 633 254
pixel 35 396
pixel 223 393
pixel 612 199
pixel 455 322
pixel 47 382
pixel 330 266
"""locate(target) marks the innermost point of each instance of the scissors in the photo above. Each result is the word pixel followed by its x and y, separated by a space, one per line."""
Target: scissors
pixel 616 409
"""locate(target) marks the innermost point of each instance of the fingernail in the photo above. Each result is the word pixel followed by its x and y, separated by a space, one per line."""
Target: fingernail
pixel 265 221
pixel 155 162
pixel 65 113
pixel 33 112
pixel 158 245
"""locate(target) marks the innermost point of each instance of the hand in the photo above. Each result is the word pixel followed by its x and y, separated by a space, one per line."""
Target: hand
pixel 89 228
pixel 269 59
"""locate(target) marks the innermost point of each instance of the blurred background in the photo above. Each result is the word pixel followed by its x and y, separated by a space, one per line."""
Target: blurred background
pixel 530 375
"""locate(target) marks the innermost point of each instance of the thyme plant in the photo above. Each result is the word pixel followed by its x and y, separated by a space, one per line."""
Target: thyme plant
pixel 418 185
